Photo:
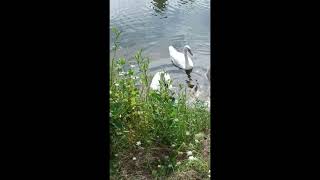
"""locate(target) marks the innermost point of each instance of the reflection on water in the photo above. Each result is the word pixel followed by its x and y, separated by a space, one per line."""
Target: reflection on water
pixel 189 81
pixel 159 6
pixel 186 1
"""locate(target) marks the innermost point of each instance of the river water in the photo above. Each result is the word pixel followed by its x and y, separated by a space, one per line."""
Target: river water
pixel 154 25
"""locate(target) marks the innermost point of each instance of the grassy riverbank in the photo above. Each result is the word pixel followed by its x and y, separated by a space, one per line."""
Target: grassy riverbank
pixel 152 137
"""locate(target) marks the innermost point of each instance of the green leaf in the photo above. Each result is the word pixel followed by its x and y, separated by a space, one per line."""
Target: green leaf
pixel 130 72
pixel 122 61
pixel 133 101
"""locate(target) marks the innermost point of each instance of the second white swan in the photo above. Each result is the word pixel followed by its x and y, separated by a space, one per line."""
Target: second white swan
pixel 155 83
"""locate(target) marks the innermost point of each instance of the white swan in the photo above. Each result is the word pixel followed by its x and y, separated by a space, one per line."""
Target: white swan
pixel 182 60
pixel 155 83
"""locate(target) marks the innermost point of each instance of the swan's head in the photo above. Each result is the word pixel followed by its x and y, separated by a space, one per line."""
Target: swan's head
pixel 188 48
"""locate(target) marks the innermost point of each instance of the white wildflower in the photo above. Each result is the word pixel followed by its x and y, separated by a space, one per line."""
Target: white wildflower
pixel 189 153
pixel 178 163
pixel 199 135
pixel 187 133
pixel 121 73
pixel 138 143
pixel 191 158
pixel 132 65
pixel 209 175
pixel 134 158
pixel 159 166
pixel 116 84
pixel 116 155
pixel 209 171
pixel 173 145
pixel 197 141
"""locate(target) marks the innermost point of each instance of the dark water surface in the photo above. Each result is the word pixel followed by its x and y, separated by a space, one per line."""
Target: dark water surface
pixel 154 25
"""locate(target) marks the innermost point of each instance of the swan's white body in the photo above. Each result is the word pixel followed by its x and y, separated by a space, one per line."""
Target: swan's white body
pixel 182 60
pixel 155 84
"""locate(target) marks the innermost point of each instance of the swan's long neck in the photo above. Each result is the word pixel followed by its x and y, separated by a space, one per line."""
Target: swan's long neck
pixel 185 50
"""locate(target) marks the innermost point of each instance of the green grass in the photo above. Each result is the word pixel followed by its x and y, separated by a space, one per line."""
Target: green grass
pixel 150 133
